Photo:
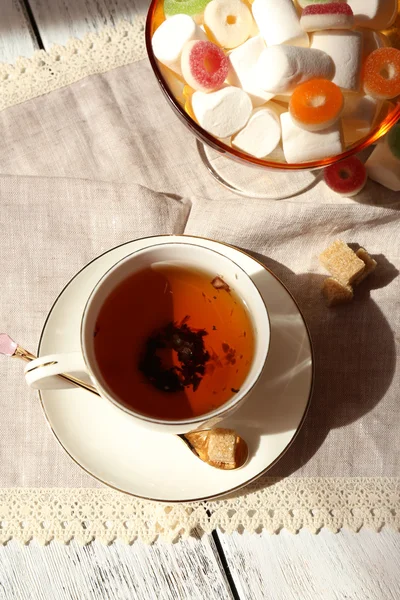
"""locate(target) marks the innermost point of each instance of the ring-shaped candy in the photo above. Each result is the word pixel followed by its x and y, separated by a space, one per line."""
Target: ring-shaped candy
pixel 381 73
pixel 346 177
pixel 316 104
pixel 204 66
pixel 228 22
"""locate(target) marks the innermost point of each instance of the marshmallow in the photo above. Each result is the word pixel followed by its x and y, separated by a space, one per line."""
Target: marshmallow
pixel 300 145
pixel 359 111
pixel 282 68
pixel 261 135
pixel 335 15
pixel 229 22
pixel 222 113
pixel 204 65
pixel 374 14
pixel 383 166
pixel 279 23
pixel 345 49
pixel 242 61
pixel 169 39
pixel 372 40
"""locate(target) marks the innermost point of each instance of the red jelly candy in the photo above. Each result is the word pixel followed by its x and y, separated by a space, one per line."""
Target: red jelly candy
pixel 346 177
pixel 204 65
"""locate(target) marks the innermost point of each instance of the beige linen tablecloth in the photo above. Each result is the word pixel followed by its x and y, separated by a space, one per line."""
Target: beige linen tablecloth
pixel 104 161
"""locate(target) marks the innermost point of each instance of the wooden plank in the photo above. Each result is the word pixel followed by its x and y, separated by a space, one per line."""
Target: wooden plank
pixel 58 20
pixel 16 34
pixel 188 570
pixel 360 566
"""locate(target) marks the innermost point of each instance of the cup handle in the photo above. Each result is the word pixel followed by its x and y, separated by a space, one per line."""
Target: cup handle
pixel 41 373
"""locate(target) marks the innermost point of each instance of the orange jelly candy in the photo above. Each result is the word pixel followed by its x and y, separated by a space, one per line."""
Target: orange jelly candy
pixel 316 104
pixel 381 73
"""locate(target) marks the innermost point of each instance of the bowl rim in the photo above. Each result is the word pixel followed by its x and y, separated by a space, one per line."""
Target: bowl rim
pixel 374 135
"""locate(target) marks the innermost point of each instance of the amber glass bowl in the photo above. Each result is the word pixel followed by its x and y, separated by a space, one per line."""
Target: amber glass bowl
pixel 166 78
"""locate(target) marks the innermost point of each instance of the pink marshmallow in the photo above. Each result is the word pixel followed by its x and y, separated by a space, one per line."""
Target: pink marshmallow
pixel 334 15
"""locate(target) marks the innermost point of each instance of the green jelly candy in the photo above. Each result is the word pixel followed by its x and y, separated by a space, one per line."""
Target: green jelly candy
pixel 185 7
pixel 393 140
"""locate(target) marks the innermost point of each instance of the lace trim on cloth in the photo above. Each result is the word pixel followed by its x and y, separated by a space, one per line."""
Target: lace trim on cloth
pixel 45 72
pixel 106 515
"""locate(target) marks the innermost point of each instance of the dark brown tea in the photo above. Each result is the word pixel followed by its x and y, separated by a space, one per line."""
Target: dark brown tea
pixel 173 343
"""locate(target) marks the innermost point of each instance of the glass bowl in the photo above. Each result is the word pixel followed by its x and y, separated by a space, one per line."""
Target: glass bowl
pixel 172 88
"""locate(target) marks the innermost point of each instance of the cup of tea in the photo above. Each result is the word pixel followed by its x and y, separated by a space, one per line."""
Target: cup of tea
pixel 174 334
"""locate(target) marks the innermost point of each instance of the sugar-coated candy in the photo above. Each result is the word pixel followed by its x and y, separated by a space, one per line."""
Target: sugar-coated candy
pixel 304 3
pixel 222 113
pixel 170 38
pixel 347 177
pixel 316 104
pixel 204 65
pixel 374 14
pixel 279 23
pixel 280 68
pixel 300 145
pixel 383 165
pixel 242 61
pixel 193 8
pixel 228 21
pixel 381 74
pixel 359 111
pixel 345 49
pixel 261 135
pixel 335 15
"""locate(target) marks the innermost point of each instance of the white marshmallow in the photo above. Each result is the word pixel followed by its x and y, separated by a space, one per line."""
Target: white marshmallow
pixel 242 61
pixel 229 21
pixel 372 40
pixel 374 14
pixel 359 111
pixel 222 113
pixel 261 135
pixel 169 39
pixel 300 145
pixel 279 23
pixel 345 49
pixel 281 68
pixel 383 167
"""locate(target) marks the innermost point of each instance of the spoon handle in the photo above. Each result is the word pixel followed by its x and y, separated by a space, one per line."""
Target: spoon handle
pixel 28 357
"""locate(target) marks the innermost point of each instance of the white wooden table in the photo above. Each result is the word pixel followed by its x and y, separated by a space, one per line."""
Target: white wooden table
pixel 363 566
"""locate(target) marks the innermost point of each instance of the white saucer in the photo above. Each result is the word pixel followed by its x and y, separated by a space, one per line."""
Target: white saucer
pixel 106 442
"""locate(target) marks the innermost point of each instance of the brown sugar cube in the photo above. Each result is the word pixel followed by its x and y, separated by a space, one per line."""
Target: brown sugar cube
pixel 370 265
pixel 336 292
pixel 341 262
pixel 222 447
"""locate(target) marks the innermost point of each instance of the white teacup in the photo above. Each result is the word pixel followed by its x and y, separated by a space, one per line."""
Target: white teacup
pixel 42 372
